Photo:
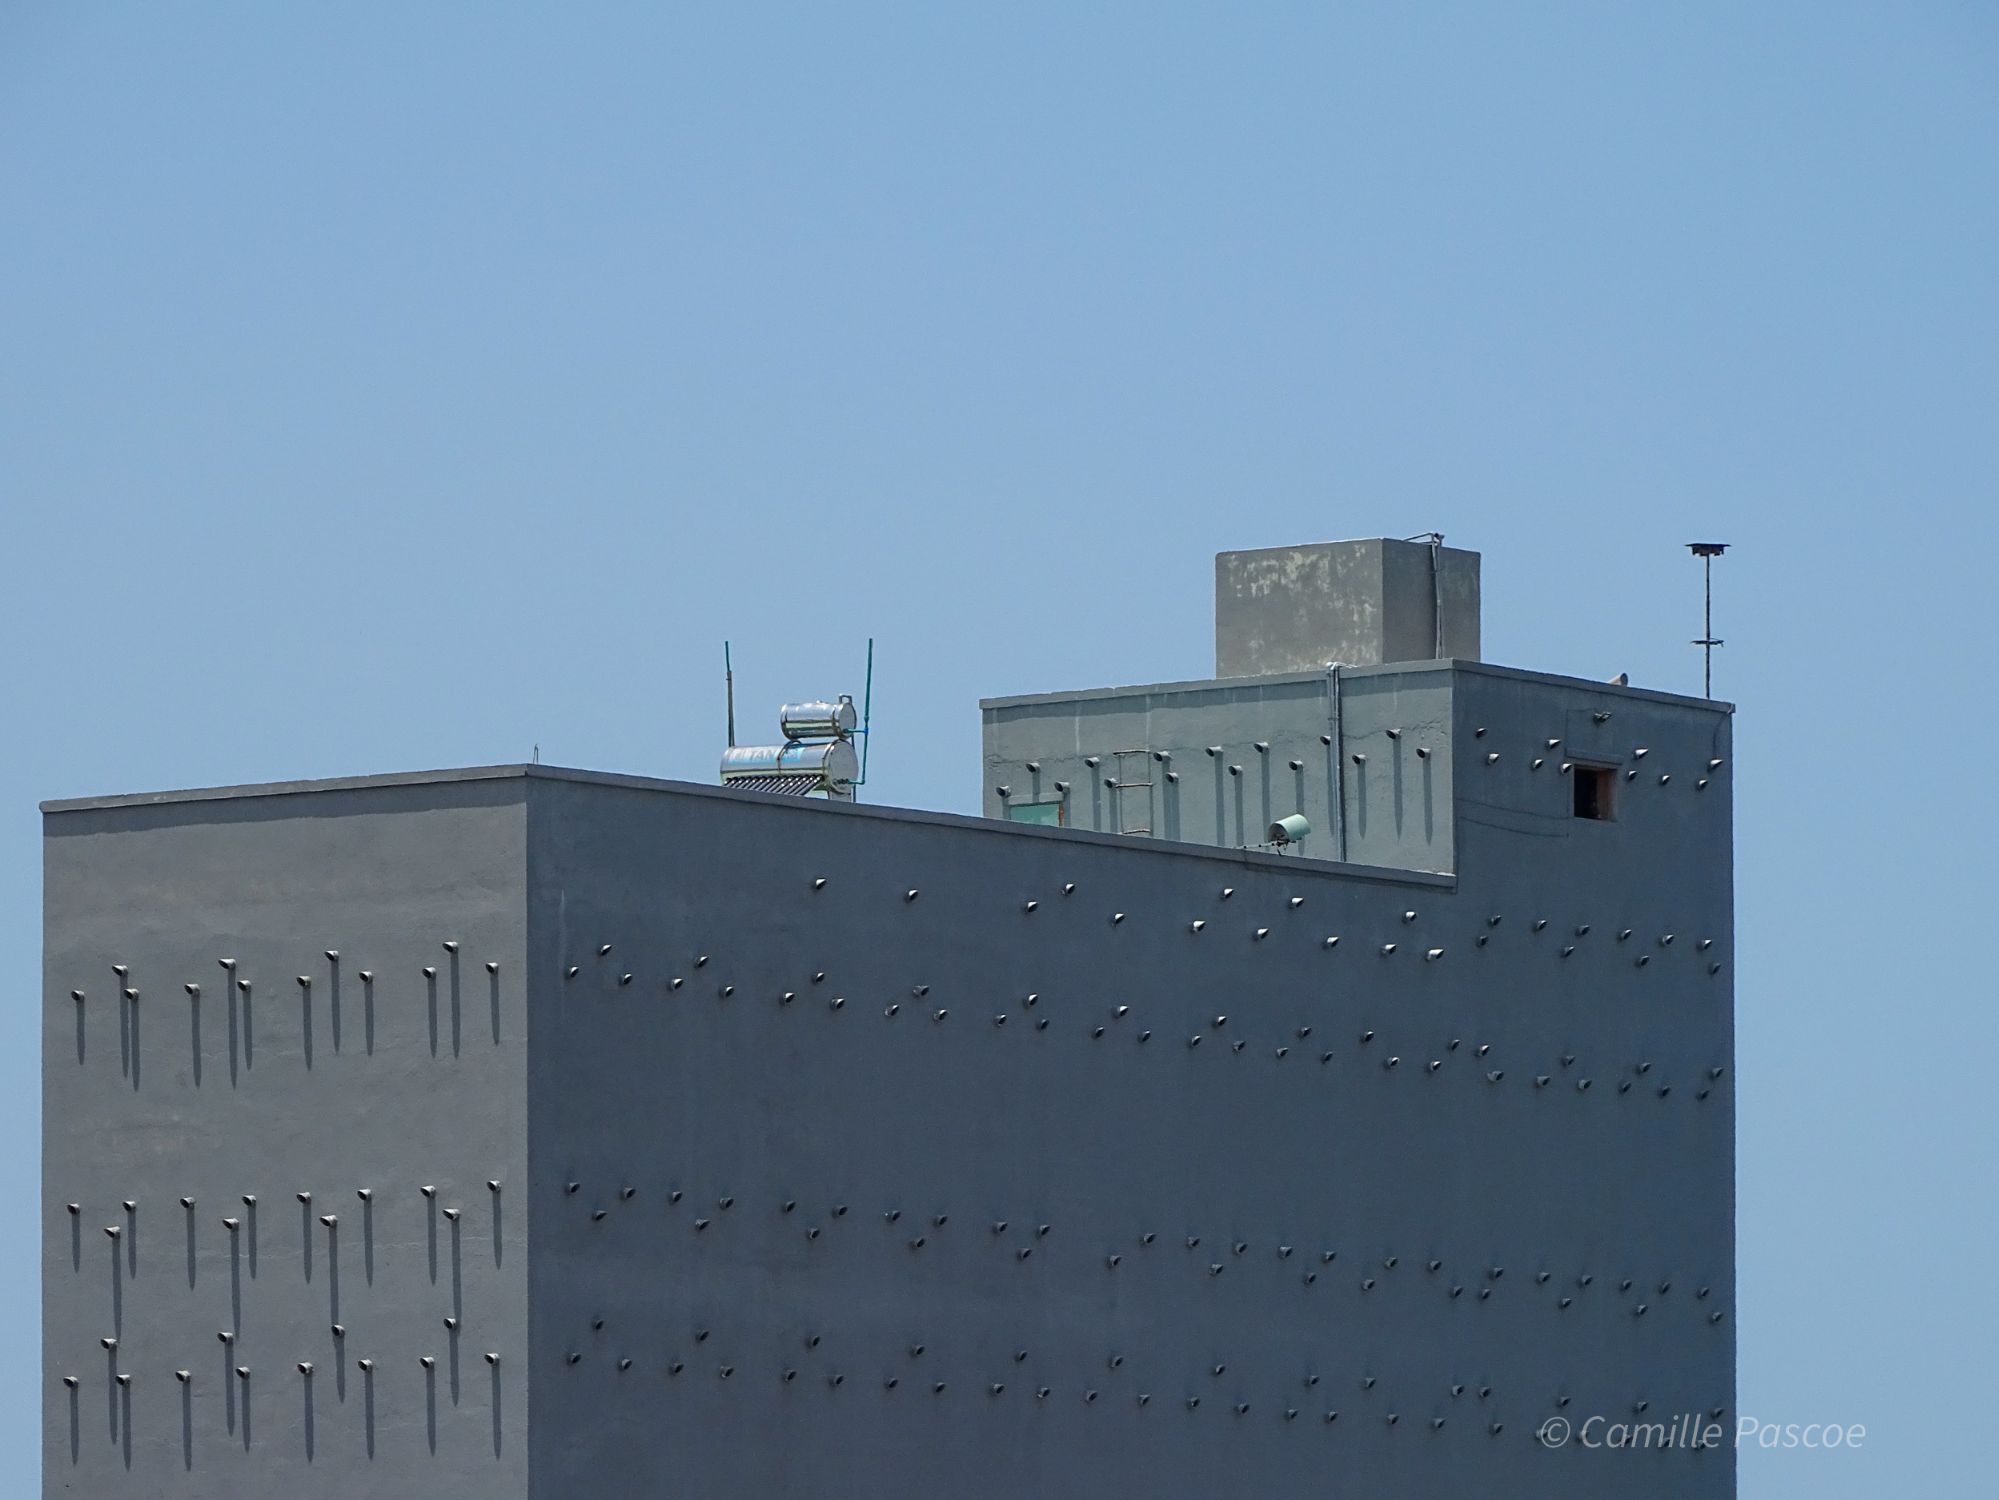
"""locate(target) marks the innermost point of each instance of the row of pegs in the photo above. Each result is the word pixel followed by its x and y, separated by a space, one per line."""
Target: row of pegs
pixel 1283 1049
pixel 1191 1400
pixel 233 1223
pixel 193 989
pixel 1430 952
pixel 1262 748
pixel 305 1367
pixel 1113 1259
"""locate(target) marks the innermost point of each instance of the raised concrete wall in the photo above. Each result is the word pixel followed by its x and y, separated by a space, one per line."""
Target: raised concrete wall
pixel 263 1087
pixel 1011 1161
pixel 1237 755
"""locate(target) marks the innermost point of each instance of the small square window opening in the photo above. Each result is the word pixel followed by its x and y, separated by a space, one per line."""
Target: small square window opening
pixel 1593 788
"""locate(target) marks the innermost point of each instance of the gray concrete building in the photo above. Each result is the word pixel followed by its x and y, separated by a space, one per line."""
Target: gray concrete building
pixel 520 1131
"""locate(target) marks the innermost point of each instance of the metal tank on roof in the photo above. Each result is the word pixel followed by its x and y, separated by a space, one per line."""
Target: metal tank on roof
pixel 817 754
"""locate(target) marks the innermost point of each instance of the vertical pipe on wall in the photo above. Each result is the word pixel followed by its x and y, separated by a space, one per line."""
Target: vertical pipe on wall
pixel 1335 726
pixel 1436 597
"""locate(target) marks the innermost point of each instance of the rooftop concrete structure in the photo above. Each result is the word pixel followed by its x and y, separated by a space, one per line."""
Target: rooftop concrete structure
pixel 1299 609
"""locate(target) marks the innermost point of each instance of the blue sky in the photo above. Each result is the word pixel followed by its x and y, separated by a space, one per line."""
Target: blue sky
pixel 387 387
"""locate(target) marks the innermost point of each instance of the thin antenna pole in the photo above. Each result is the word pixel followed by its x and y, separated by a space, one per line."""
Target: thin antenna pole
pixel 1707 552
pixel 867 710
pixel 729 687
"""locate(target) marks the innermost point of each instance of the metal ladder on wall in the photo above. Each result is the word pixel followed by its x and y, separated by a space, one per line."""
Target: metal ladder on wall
pixel 1125 781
